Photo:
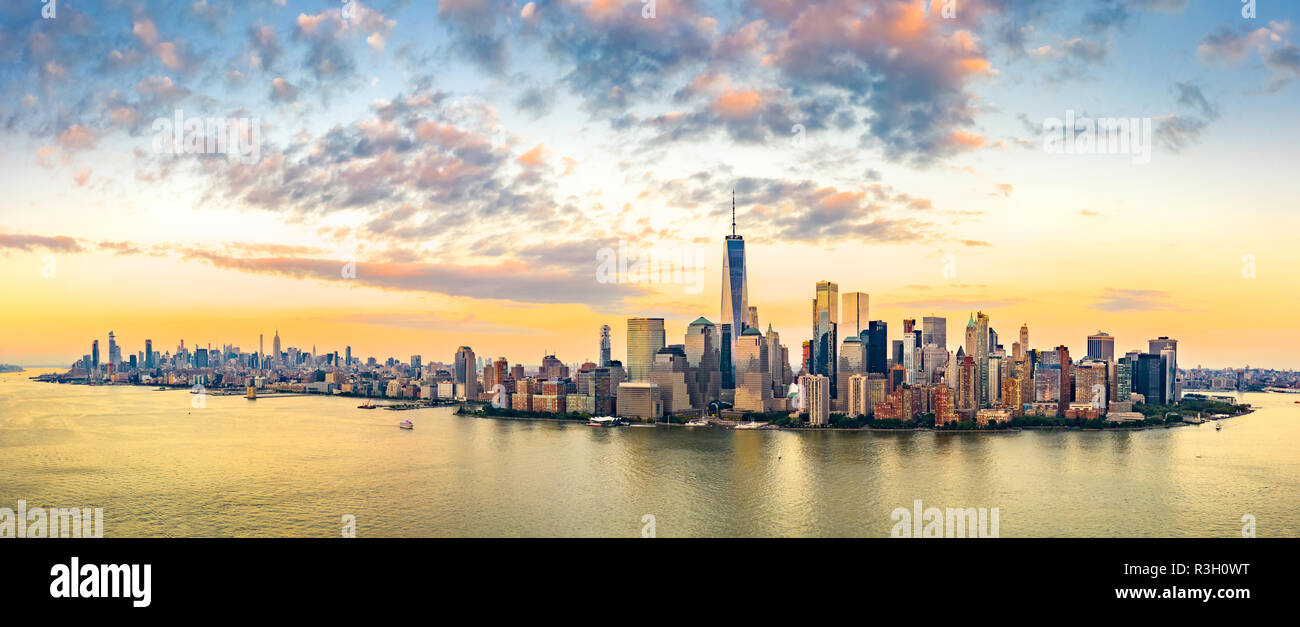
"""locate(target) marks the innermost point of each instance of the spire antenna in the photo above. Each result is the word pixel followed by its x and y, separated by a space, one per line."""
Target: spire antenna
pixel 733 212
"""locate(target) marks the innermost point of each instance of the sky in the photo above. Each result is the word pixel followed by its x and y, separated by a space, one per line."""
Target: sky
pixel 412 176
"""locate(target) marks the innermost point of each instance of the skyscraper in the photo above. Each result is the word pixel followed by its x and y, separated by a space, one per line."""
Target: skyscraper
pixel 753 374
pixel 735 293
pixel 148 353
pixel 1101 346
pixel 934 331
pixel 703 358
pixel 856 313
pixel 604 346
pixel 645 336
pixel 826 318
pixel 1024 341
pixel 851 363
pixel 465 376
pixel 877 347
pixel 1174 385
pixel 94 354
pixel 982 356
pixel 815 398
pixel 275 346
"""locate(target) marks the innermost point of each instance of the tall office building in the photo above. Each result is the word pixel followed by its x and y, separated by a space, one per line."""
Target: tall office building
pixel 604 346
pixel 114 359
pixel 94 354
pixel 776 361
pixel 876 344
pixel 275 348
pixel 735 294
pixel 148 353
pixel 703 358
pixel 1067 389
pixel 852 362
pixel 465 376
pixel 752 319
pixel 645 336
pixel 815 398
pixel 1024 341
pixel 982 356
pixel 856 313
pixel 1149 378
pixel 909 355
pixel 826 318
pixel 934 331
pixel 753 373
pixel 1101 346
pixel 1174 384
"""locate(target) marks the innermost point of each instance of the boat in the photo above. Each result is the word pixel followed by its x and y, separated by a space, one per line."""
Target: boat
pixel 751 425
pixel 697 423
pixel 1218 427
pixel 405 424
pixel 366 405
pixel 604 421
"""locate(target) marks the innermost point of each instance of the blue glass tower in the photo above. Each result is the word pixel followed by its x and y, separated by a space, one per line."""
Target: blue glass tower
pixel 735 296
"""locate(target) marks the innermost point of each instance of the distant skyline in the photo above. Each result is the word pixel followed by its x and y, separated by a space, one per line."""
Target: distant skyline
pixel 469 159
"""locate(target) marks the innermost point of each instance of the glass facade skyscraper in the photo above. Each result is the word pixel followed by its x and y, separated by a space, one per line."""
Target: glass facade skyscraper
pixel 826 318
pixel 645 336
pixel 735 295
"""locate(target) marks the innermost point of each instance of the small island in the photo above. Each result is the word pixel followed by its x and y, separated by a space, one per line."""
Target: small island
pixel 10 368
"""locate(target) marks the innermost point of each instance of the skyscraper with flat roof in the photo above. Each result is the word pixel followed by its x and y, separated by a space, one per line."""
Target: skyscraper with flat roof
pixel 934 331
pixel 856 313
pixel 1101 346
pixel 604 346
pixel 826 318
pixel 645 336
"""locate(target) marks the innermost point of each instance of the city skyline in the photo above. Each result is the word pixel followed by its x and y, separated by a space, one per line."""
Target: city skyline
pixel 412 192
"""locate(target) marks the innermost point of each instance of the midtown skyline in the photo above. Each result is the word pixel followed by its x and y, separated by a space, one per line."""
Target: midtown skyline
pixel 473 185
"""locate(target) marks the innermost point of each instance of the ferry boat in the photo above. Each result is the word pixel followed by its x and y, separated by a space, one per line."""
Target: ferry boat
pixel 405 424
pixel 697 423
pixel 366 405
pixel 751 425
pixel 604 421
pixel 1218 427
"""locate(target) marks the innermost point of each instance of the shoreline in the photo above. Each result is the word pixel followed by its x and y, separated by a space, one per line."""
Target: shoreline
pixel 726 425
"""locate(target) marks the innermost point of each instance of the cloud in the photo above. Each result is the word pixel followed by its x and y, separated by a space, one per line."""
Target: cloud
pixel 26 242
pixel 1122 300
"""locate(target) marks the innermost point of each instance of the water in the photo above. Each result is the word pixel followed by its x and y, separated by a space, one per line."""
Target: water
pixel 295 466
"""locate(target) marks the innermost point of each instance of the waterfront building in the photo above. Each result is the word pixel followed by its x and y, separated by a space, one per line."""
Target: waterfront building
pixel 852 362
pixel 1174 382
pixel 858 397
pixel 945 411
pixel 825 330
pixel 639 400
pixel 815 398
pixel 465 374
pixel 753 373
pixel 1091 383
pixel 735 294
pixel 702 357
pixel 673 376
pixel 777 362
